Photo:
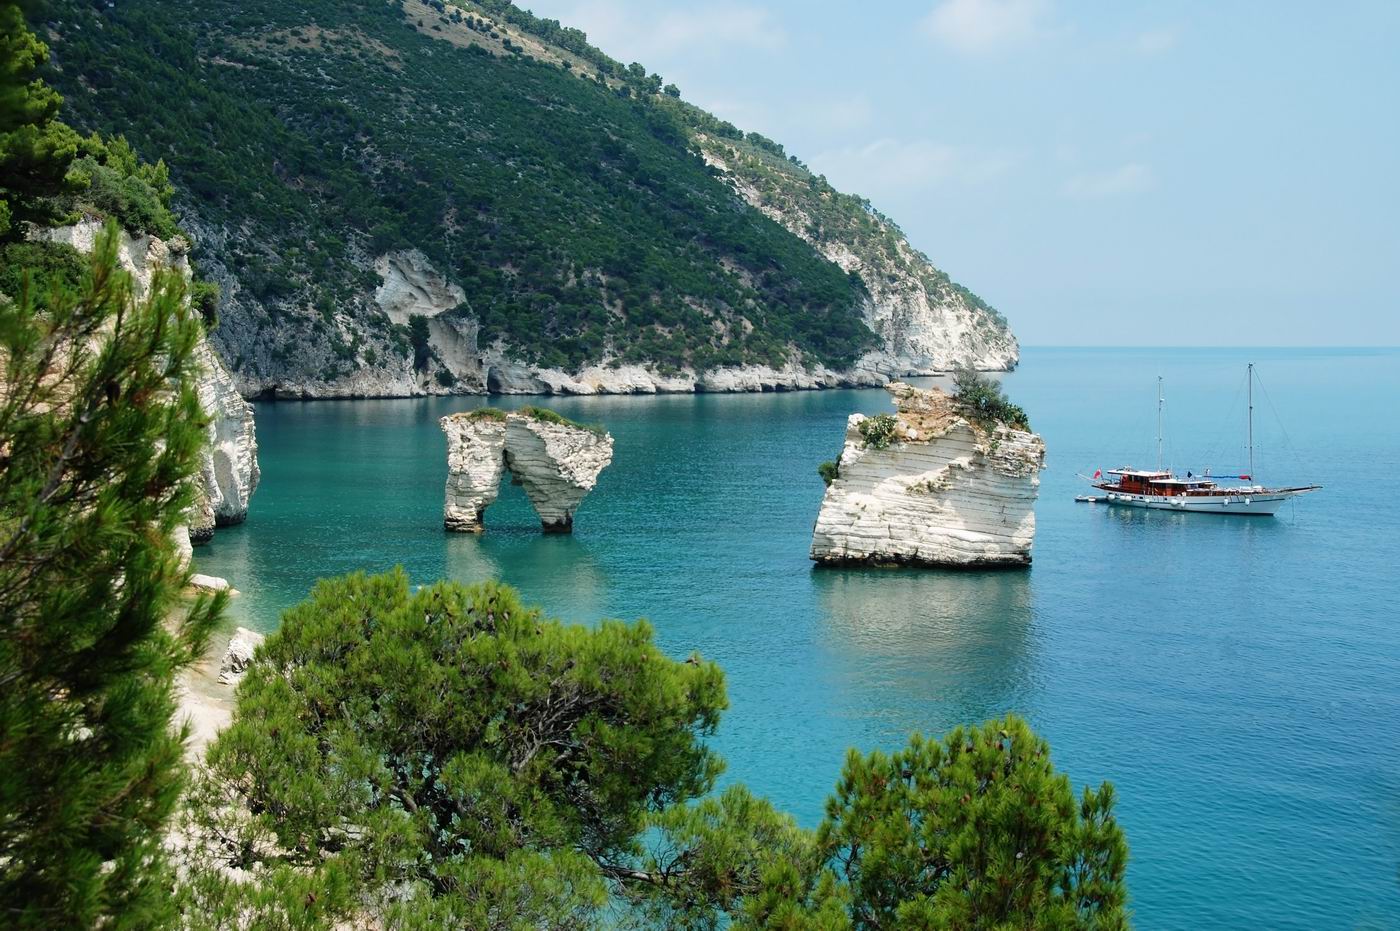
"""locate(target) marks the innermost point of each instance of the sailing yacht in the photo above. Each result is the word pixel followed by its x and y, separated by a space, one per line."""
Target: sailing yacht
pixel 1161 489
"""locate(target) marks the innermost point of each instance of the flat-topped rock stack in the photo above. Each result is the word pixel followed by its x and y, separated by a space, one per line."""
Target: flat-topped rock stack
pixel 556 461
pixel 931 486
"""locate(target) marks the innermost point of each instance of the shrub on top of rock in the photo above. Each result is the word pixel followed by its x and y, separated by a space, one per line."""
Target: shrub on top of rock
pixel 982 400
pixel 878 431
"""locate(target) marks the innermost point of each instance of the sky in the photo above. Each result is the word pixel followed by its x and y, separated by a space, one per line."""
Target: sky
pixel 1103 172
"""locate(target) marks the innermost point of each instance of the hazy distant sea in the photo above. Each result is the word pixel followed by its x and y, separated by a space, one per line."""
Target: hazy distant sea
pixel 1238 679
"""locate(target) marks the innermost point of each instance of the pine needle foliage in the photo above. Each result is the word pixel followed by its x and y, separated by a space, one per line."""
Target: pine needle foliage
pixel 101 433
pixel 983 401
pixel 445 757
pixel 35 149
pixel 978 830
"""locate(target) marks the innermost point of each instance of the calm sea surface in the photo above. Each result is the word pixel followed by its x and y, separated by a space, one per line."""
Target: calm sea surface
pixel 1237 679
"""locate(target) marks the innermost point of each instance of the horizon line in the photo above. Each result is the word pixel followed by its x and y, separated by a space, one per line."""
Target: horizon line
pixel 1209 346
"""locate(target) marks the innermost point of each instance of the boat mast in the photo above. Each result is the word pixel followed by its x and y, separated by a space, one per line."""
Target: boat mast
pixel 1160 399
pixel 1251 421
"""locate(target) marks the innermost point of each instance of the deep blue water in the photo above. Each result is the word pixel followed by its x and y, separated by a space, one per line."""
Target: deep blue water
pixel 1238 679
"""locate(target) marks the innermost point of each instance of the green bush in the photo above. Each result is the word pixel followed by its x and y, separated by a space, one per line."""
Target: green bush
pixel 829 471
pixel 878 431
pixel 545 415
pixel 204 297
pixel 418 337
pixel 444 757
pixel 46 268
pixel 983 401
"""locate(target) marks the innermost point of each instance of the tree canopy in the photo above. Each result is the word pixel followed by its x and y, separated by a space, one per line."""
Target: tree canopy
pixel 452 756
pixel 448 756
pixel 101 433
pixel 35 149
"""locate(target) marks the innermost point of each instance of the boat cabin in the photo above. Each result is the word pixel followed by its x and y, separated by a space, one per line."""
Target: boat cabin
pixel 1139 482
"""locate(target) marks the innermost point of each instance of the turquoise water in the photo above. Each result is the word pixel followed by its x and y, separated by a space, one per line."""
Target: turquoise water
pixel 1238 679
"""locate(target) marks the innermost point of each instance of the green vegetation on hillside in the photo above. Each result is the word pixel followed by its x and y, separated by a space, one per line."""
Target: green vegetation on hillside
pixel 783 182
pixel 576 217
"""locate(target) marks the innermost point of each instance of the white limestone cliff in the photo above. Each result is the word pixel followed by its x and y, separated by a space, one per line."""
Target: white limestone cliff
pixel 229 473
pixel 556 462
pixel 945 491
pixel 476 447
pixel 410 286
pixel 925 322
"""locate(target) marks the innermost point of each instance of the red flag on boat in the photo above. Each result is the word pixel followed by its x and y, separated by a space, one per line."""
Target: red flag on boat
pixel 1098 472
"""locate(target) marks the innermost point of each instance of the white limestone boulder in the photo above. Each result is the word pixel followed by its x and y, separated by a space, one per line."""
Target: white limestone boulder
pixel 943 492
pixel 239 655
pixel 556 462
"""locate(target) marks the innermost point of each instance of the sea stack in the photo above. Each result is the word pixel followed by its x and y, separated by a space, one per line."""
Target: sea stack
pixel 932 485
pixel 557 462
pixel 476 457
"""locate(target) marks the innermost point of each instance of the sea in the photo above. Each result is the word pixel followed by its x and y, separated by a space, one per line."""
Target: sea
pixel 1236 679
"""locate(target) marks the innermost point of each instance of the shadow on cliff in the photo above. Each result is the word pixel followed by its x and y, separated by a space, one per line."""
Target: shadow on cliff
pixel 927 649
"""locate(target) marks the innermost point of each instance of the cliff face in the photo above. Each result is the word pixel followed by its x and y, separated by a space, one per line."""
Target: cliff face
pixel 943 492
pixel 926 323
pixel 229 474
pixel 556 462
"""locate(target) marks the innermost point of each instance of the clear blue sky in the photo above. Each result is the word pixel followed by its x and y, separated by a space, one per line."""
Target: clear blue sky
pixel 1083 166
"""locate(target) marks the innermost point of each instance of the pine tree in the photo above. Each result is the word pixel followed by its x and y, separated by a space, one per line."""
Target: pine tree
pixel 100 434
pixel 443 758
pixel 975 831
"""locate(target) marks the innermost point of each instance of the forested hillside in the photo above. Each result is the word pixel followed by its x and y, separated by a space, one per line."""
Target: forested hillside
pixel 549 205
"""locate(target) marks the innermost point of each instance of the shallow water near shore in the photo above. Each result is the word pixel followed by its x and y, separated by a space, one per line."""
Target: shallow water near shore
pixel 1238 679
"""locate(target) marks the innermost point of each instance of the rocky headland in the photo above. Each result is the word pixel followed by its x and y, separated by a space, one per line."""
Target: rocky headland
pixel 556 461
pixel 229 473
pixel 930 486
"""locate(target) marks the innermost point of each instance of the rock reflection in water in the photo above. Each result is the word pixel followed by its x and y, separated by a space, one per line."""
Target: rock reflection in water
pixel 556 572
pixel 925 650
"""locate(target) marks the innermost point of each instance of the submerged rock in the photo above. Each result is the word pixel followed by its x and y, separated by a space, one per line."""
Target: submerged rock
pixel 556 461
pixel 476 446
pixel 936 490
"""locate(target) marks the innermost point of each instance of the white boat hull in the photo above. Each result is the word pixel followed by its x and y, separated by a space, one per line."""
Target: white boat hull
pixel 1258 504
